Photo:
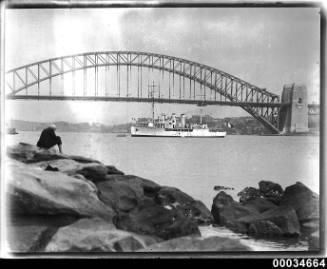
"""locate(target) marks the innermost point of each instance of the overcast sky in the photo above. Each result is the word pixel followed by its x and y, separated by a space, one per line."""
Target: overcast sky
pixel 267 47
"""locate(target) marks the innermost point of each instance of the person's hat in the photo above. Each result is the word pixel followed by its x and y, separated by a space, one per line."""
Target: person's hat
pixel 53 126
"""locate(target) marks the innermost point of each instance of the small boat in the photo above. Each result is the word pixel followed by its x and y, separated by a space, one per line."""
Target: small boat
pixel 12 131
pixel 121 135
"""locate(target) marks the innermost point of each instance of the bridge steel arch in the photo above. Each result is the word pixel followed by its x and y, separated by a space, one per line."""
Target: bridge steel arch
pixel 261 104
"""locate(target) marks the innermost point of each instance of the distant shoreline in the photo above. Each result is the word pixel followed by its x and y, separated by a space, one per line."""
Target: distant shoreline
pixel 240 126
pixel 313 134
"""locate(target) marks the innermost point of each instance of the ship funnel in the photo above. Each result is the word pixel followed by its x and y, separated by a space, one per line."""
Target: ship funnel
pixel 183 120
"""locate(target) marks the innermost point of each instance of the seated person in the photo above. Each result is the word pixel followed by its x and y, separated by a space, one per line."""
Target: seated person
pixel 48 138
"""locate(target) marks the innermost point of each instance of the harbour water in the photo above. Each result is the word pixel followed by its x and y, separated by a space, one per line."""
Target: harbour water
pixel 196 165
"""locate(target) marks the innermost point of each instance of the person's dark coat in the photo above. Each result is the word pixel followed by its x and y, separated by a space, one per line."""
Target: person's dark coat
pixel 48 139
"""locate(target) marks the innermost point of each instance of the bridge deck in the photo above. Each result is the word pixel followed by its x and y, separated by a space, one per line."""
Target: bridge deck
pixel 143 100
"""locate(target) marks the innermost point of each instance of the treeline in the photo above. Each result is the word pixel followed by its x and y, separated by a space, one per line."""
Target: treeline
pixel 69 127
pixel 233 125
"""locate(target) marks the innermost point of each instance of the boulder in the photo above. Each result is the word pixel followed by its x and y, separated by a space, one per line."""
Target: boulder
pixel 98 173
pixel 96 235
pixel 259 204
pixel 173 197
pixel 94 173
pixel 226 212
pixel 303 200
pixel 32 191
pixel 119 195
pixel 153 219
pixel 194 243
pixel 272 191
pixel 123 192
pixel 145 207
pixel 223 199
pixel 31 154
pixel 199 212
pixel 268 186
pixel 264 228
pixel 142 186
pixel 30 234
pixel 254 218
pixel 248 194
pixel 284 218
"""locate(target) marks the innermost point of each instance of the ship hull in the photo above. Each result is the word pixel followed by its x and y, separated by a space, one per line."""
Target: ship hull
pixel 161 132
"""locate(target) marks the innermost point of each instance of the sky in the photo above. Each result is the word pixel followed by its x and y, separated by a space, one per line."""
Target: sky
pixel 268 47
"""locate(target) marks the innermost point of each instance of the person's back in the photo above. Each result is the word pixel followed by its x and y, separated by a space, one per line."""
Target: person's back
pixel 49 139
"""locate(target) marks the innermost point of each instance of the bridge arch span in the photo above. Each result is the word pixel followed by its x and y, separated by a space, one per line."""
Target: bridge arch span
pixel 258 102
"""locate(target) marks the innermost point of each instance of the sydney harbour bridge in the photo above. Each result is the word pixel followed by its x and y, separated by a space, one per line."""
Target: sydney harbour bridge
pixel 125 76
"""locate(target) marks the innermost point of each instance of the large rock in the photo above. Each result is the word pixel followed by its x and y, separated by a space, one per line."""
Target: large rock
pixel 271 191
pixel 257 217
pixel 30 234
pixel 172 197
pixel 30 154
pixel 268 190
pixel 284 218
pixel 264 228
pixel 145 207
pixel 98 173
pixel 33 191
pixel 226 212
pixel 259 204
pixel 192 243
pixel 123 192
pixel 303 200
pixel 96 235
pixel 248 194
pixel 153 219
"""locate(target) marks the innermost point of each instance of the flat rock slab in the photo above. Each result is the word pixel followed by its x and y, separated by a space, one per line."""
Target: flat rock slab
pixel 67 166
pixel 28 153
pixel 96 235
pixel 33 191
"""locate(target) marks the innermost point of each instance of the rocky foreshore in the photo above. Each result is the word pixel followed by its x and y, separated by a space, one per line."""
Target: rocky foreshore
pixel 61 203
pixel 64 203
pixel 271 212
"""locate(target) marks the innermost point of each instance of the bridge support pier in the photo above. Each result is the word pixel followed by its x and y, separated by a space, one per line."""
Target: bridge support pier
pixel 294 118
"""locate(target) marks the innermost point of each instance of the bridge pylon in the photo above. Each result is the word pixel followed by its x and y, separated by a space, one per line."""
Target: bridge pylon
pixel 294 118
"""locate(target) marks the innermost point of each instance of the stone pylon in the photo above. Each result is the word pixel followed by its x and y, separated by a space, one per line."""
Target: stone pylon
pixel 294 118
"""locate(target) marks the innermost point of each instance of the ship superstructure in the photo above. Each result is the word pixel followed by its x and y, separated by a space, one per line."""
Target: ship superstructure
pixel 173 126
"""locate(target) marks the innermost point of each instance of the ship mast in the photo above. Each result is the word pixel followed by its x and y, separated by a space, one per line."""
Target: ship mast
pixel 151 93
